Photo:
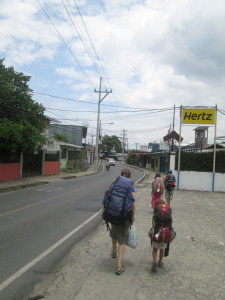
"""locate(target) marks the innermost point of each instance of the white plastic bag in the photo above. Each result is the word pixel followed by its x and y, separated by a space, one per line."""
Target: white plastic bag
pixel 132 237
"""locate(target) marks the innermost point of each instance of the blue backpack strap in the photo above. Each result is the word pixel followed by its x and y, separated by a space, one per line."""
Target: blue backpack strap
pixel 113 183
pixel 109 192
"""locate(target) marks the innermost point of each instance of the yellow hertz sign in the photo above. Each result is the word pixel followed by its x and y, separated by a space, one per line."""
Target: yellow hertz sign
pixel 198 116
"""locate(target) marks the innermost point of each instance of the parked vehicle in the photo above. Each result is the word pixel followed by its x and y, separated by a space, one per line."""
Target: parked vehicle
pixel 112 162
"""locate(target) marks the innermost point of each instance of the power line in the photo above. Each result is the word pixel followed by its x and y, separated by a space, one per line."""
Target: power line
pixel 103 104
pixel 96 54
pixel 82 40
pixel 102 112
pixel 221 111
pixel 70 51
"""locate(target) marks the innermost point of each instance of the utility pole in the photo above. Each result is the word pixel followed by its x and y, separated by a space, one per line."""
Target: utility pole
pixel 124 133
pixel 98 123
pixel 92 139
pixel 136 144
pixel 173 127
pixel 127 144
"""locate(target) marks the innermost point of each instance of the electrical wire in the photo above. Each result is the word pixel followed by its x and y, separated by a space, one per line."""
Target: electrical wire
pixel 82 39
pixel 68 48
pixel 116 116
pixel 102 104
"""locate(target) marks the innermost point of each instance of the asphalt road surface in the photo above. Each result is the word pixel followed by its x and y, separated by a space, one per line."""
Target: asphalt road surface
pixel 39 225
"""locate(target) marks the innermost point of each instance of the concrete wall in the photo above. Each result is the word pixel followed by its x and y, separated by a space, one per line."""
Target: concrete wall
pixel 73 132
pixel 200 181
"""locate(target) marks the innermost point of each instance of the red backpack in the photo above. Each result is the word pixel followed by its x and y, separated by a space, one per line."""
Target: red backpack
pixel 165 234
pixel 157 186
pixel 162 230
pixel 162 215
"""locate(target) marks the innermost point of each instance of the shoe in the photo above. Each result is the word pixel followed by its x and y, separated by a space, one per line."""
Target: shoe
pixel 154 267
pixel 160 264
pixel 119 270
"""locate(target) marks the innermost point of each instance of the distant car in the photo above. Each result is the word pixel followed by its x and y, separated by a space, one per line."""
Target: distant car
pixel 112 162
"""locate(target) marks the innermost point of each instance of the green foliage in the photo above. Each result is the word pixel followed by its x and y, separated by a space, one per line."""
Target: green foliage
pixel 19 136
pixel 60 137
pixel 21 119
pixel 201 162
pixel 82 154
pixel 111 144
pixel 132 158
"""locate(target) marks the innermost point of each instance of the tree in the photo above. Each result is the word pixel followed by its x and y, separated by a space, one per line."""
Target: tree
pixel 22 120
pixel 111 144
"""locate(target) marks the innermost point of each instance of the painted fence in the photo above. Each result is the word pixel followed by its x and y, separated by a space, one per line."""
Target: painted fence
pixel 9 171
pixel 200 181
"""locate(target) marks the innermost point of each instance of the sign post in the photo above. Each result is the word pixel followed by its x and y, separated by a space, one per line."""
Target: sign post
pixel 199 115
pixel 178 169
pixel 214 151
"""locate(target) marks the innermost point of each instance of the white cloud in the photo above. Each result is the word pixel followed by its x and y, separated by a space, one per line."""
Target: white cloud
pixel 155 54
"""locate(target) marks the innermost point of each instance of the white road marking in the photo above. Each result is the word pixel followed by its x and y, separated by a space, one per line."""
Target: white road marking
pixel 16 275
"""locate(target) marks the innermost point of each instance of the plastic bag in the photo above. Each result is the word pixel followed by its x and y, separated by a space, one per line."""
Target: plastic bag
pixel 132 237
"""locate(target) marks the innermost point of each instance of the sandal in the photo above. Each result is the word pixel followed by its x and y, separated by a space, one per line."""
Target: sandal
pixel 119 270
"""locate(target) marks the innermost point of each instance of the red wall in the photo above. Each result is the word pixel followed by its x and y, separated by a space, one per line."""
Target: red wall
pixel 51 167
pixel 9 171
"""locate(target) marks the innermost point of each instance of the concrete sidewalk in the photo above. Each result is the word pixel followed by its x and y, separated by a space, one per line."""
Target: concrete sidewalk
pixel 194 268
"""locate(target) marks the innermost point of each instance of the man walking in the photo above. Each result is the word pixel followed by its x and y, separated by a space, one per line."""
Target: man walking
pixel 169 183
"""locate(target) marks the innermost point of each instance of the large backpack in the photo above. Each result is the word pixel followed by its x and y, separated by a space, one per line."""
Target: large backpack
pixel 118 201
pixel 162 215
pixel 157 186
pixel 170 182
pixel 162 224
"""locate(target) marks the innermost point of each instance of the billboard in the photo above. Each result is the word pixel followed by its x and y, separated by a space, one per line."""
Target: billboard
pixel 198 116
pixel 153 147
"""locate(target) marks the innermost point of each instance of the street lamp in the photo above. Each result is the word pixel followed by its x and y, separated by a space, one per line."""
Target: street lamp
pixel 100 131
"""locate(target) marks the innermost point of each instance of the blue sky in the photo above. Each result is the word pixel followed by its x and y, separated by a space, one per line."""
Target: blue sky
pixel 152 54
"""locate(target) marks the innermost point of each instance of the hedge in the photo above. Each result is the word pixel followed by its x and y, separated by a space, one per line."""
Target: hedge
pixel 201 162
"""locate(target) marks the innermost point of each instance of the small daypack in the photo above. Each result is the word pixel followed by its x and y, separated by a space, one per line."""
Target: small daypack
pixel 162 215
pixel 170 182
pixel 118 201
pixel 157 186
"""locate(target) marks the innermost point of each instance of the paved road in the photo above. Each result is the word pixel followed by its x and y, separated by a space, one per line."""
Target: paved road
pixel 34 219
pixel 194 269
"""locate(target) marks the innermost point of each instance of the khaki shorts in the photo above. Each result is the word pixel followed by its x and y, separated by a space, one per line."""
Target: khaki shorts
pixel 120 232
pixel 158 245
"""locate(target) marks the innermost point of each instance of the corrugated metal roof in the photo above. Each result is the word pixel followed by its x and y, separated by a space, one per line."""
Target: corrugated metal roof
pixel 67 144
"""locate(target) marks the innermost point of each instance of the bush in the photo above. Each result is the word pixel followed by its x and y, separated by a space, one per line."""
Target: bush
pixel 201 162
